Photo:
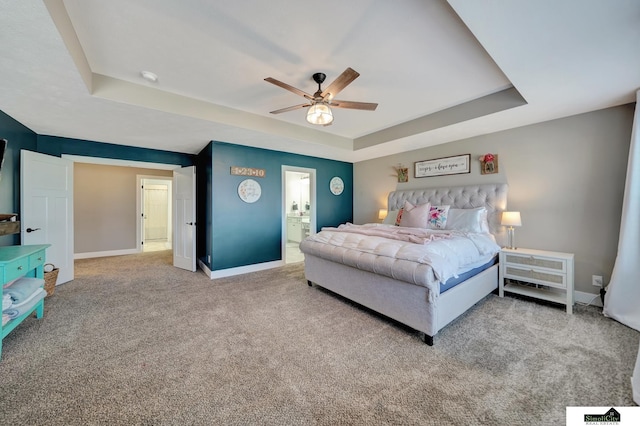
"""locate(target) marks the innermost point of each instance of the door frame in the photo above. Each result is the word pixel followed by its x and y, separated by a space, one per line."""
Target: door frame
pixel 284 207
pixel 122 163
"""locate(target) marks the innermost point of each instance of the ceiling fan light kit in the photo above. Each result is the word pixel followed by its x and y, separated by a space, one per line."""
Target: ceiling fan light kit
pixel 319 112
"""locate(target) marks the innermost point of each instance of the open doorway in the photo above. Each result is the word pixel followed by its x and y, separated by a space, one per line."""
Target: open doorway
pixel 155 216
pixel 107 207
pixel 299 210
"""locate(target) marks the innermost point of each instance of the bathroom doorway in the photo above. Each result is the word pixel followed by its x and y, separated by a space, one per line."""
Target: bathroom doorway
pixel 156 220
pixel 298 211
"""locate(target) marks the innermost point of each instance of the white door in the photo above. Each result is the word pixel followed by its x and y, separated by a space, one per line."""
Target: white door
pixel 46 206
pixel 156 202
pixel 184 243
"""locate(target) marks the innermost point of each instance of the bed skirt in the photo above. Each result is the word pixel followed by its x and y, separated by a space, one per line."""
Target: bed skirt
pixel 404 302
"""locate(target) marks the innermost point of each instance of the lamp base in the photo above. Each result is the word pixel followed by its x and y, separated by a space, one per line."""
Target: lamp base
pixel 511 238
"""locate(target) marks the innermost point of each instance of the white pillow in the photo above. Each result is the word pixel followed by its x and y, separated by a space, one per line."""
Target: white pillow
pixel 468 220
pixel 415 216
pixel 391 218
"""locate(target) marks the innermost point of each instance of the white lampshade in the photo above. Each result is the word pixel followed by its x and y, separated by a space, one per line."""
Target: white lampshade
pixel 511 219
pixel 319 114
pixel 382 214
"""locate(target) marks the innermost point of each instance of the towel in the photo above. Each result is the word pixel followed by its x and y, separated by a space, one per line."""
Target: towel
pixel 26 301
pixel 6 301
pixel 16 310
pixel 11 313
pixel 23 288
pixel 8 283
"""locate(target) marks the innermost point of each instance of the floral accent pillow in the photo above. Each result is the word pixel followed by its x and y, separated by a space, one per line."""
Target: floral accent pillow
pixel 438 217
pixel 399 216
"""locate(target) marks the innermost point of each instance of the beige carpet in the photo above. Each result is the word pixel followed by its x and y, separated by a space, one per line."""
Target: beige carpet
pixel 133 340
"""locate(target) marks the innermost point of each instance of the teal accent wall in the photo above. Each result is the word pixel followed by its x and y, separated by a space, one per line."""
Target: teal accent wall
pixel 250 233
pixel 55 145
pixel 231 231
pixel 19 137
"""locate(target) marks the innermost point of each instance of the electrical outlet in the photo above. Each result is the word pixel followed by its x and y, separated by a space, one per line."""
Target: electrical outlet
pixel 596 280
pixel 209 259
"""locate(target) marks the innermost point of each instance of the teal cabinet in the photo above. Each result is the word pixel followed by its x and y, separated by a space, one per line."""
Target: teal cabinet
pixel 16 262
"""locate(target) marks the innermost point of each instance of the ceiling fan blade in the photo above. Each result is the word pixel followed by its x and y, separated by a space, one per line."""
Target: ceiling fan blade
pixel 288 87
pixel 339 83
pixel 291 108
pixel 353 105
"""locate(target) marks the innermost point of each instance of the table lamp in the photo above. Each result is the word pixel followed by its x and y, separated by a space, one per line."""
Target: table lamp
pixel 382 214
pixel 511 219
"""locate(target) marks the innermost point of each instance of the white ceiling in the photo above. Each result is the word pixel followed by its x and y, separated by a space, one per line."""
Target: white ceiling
pixel 439 70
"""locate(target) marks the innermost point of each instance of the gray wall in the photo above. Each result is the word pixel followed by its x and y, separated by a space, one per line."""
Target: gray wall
pixel 566 177
pixel 105 206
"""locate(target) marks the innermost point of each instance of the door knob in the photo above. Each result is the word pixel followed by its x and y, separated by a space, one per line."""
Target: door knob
pixel 32 229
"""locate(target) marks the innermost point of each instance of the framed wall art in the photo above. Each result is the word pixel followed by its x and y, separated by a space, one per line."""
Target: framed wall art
pixel 336 185
pixel 402 173
pixel 489 164
pixel 249 191
pixel 454 165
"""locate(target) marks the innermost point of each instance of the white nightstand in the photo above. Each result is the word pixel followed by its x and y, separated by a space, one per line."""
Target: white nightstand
pixel 546 275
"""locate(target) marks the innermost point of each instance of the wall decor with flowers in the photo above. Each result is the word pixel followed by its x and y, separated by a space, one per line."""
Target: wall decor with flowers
pixel 488 164
pixel 402 173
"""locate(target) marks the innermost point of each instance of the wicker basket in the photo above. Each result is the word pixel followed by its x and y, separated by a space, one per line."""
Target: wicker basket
pixel 50 278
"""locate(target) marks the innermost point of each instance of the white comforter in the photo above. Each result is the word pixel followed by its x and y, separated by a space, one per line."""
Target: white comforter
pixel 446 253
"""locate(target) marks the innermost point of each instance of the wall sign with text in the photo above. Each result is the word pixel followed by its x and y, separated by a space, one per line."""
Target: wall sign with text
pixel 443 166
pixel 248 171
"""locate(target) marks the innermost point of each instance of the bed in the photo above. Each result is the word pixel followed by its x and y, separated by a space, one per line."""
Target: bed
pixel 397 288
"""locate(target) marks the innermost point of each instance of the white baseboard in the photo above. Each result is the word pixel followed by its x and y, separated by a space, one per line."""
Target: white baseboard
pixel 203 266
pixel 579 296
pixel 241 269
pixel 587 298
pixel 91 255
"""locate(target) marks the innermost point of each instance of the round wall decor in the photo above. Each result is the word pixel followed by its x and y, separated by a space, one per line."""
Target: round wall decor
pixel 249 191
pixel 336 185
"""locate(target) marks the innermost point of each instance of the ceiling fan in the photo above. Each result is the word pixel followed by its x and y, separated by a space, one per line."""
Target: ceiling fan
pixel 319 103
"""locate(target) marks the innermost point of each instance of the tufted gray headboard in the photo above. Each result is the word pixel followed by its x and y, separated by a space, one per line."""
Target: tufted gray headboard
pixel 491 196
